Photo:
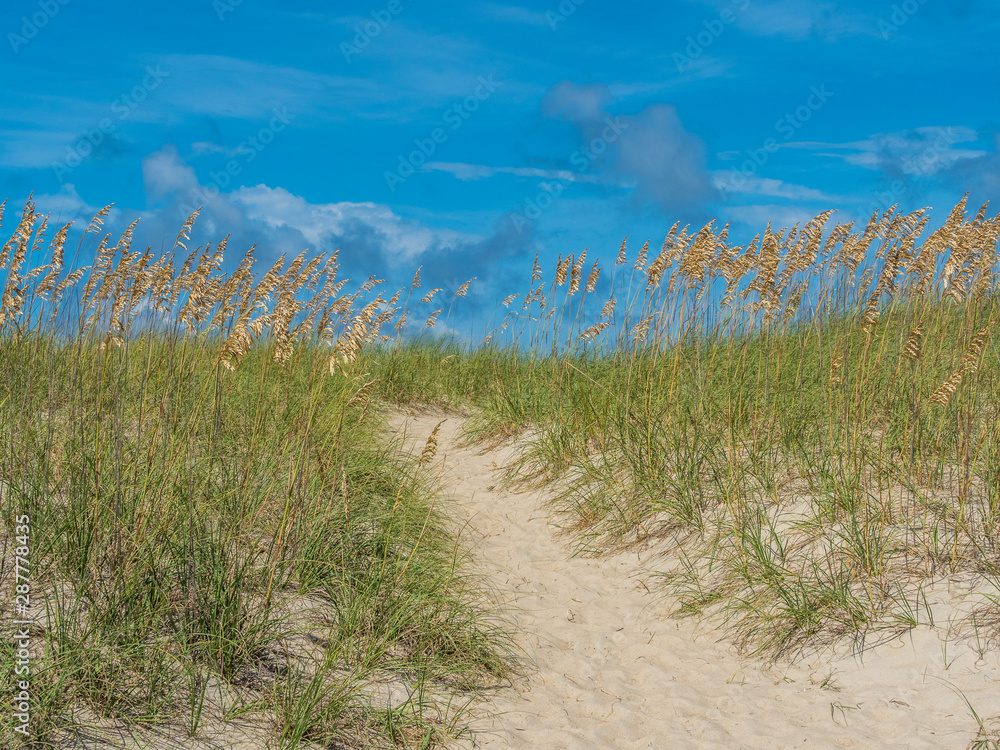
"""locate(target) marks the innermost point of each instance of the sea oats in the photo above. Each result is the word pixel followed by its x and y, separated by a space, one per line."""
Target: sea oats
pixel 183 235
pixel 870 315
pixel 593 332
pixel 655 271
pixel 374 282
pixel 562 267
pixel 947 389
pixel 640 261
pixel 429 296
pixel 574 277
pixel 236 345
pixel 621 253
pixel 98 221
pixel 55 265
pixel 672 237
pixel 641 329
pixel 595 272
pixel 609 308
pixel 536 294
pixel 970 360
pixel 914 343
pixel 698 256
pixel 39 240
pixel 794 300
pixel 836 363
pixel 15 249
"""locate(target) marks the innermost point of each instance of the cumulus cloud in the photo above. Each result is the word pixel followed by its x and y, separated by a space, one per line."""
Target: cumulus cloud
pixel 920 152
pixel 917 162
pixel 371 237
pixel 576 103
pixel 164 173
pixel 917 152
pixel 667 161
pixel 651 150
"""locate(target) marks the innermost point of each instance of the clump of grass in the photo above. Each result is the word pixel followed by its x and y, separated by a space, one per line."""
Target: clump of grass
pixel 216 518
pixel 808 422
pixel 808 419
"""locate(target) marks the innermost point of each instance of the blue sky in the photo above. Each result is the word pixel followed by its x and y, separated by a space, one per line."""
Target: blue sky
pixel 467 136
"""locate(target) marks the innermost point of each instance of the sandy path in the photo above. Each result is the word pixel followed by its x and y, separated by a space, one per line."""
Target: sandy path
pixel 610 671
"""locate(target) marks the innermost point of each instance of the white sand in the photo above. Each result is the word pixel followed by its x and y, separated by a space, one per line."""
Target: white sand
pixel 612 671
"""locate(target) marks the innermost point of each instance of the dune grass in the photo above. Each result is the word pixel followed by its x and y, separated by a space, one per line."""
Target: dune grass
pixel 808 422
pixel 219 529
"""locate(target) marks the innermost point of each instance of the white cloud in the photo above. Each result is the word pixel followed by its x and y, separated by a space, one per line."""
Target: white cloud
pixel 465 172
pixel 67 205
pixel 405 241
pixel 372 237
pixel 919 152
pixel 164 172
pixel 797 19
pixel 724 181
pixel 651 149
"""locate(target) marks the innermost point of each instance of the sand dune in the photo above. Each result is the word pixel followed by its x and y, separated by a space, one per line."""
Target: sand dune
pixel 610 670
